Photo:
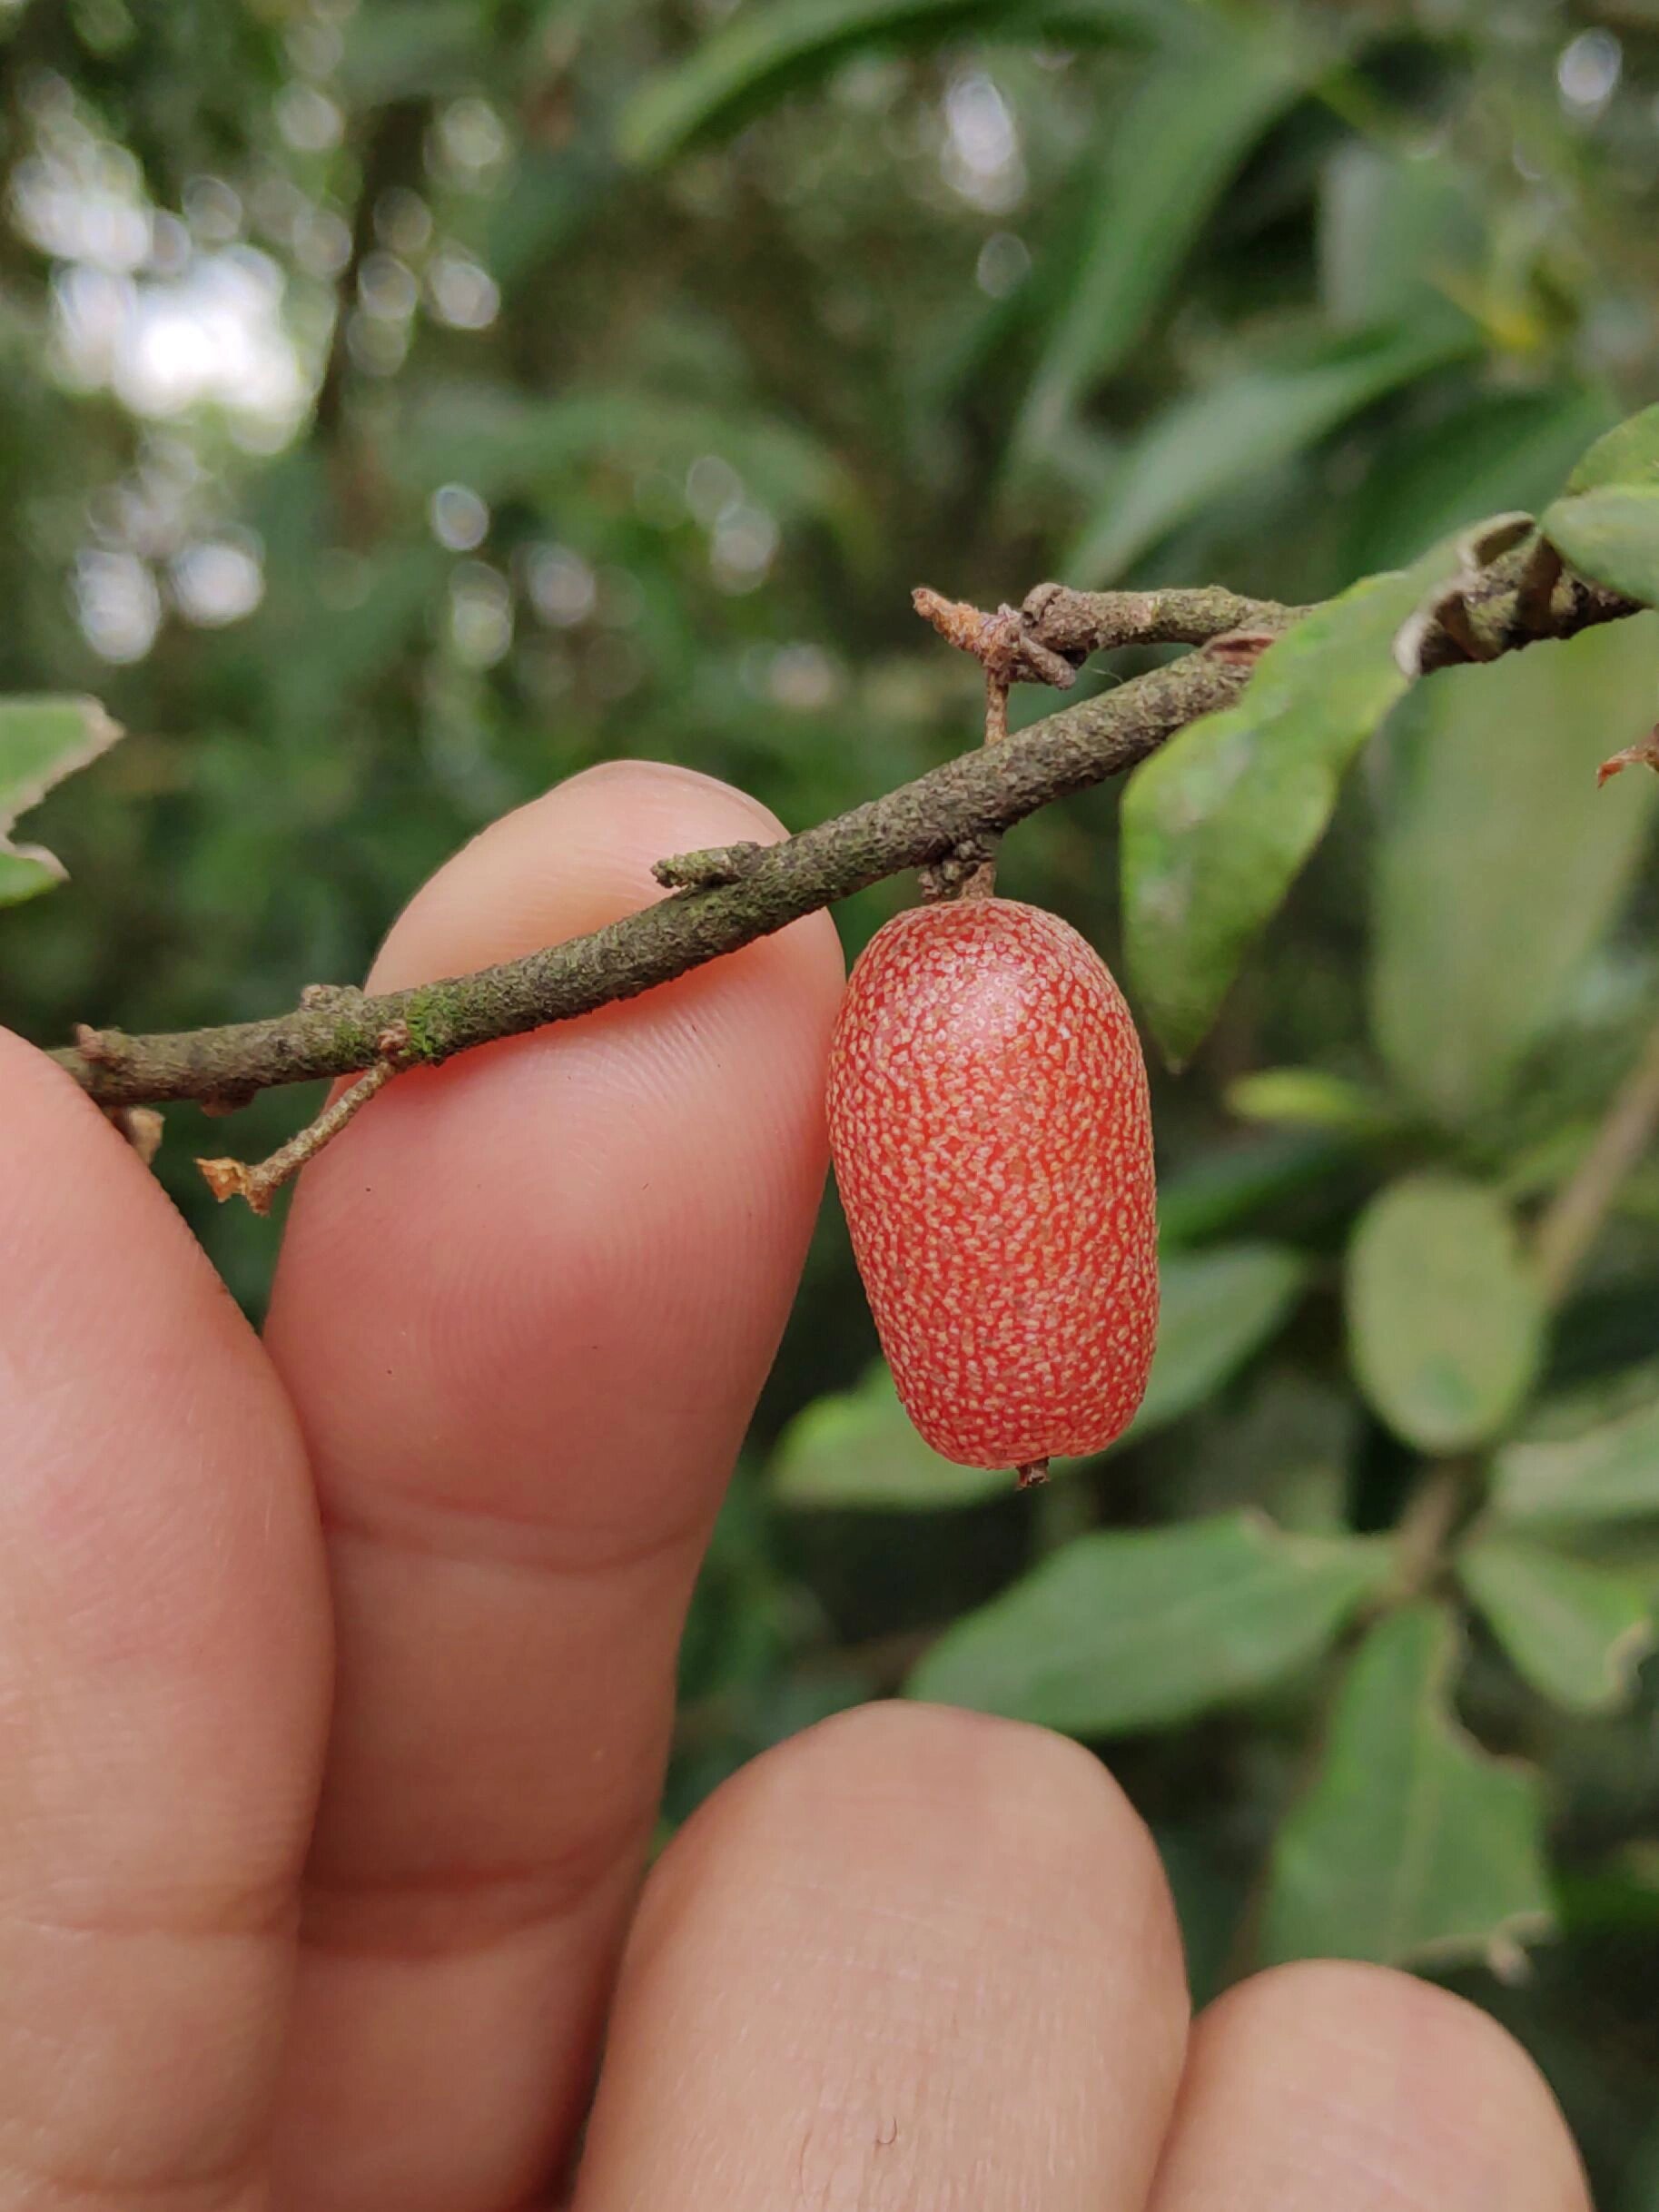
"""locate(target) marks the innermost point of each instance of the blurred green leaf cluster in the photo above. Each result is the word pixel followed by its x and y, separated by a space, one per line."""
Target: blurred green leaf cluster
pixel 411 402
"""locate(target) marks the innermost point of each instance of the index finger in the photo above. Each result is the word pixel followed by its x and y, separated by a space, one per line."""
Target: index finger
pixel 525 1307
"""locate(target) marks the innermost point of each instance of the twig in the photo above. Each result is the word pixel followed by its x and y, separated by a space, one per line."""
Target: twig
pixel 1008 647
pixel 1434 1508
pixel 228 1179
pixel 963 804
pixel 958 809
pixel 1644 754
pixel 1572 1222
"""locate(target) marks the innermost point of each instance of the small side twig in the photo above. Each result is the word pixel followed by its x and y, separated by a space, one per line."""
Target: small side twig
pixel 1644 754
pixel 1009 647
pixel 228 1179
pixel 1420 1536
pixel 1571 1223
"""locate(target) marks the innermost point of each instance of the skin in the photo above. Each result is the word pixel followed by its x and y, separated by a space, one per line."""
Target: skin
pixel 336 1676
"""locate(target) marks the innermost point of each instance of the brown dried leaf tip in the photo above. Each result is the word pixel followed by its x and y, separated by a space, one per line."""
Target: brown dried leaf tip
pixel 229 1178
pixel 1646 754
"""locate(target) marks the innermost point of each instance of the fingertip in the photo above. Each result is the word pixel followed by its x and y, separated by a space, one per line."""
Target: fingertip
pixel 908 1950
pixel 1357 2083
pixel 999 1803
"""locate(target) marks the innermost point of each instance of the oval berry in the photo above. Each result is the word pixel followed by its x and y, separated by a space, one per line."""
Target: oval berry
pixel 988 1117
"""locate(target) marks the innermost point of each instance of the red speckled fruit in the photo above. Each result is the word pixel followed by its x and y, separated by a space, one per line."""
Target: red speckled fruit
pixel 988 1117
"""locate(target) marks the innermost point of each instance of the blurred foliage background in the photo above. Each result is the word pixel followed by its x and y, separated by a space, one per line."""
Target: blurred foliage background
pixel 409 402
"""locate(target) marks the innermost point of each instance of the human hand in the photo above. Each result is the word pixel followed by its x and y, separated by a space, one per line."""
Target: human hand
pixel 336 1679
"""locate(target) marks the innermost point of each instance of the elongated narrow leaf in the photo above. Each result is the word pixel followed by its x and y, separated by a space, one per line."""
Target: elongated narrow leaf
pixel 1412 1843
pixel 503 445
pixel 1397 233
pixel 1190 121
pixel 859 1449
pixel 1610 1473
pixel 1218 823
pixel 1499 451
pixel 1501 863
pixel 1576 1633
pixel 1445 1321
pixel 42 741
pixel 1215 1309
pixel 1227 1189
pixel 772 45
pixel 416 46
pixel 1254 420
pixel 1132 1630
pixel 1608 522
pixel 1313 1098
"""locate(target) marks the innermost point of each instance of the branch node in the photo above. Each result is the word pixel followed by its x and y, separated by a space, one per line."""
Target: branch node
pixel 319 997
pixel 943 878
pixel 710 870
pixel 1005 644
pixel 100 1047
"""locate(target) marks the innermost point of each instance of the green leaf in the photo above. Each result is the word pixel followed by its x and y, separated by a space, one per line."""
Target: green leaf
pixel 1395 233
pixel 859 1450
pixel 1228 1188
pixel 1500 451
pixel 766 49
pixel 1192 119
pixel 42 741
pixel 504 445
pixel 1312 1098
pixel 1215 1309
pixel 1501 864
pixel 1607 525
pixel 1136 1629
pixel 1576 1633
pixel 1445 1321
pixel 1412 1843
pixel 1285 1447
pixel 1610 536
pixel 1626 454
pixel 400 50
pixel 1609 1473
pixel 1217 822
pixel 1221 438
